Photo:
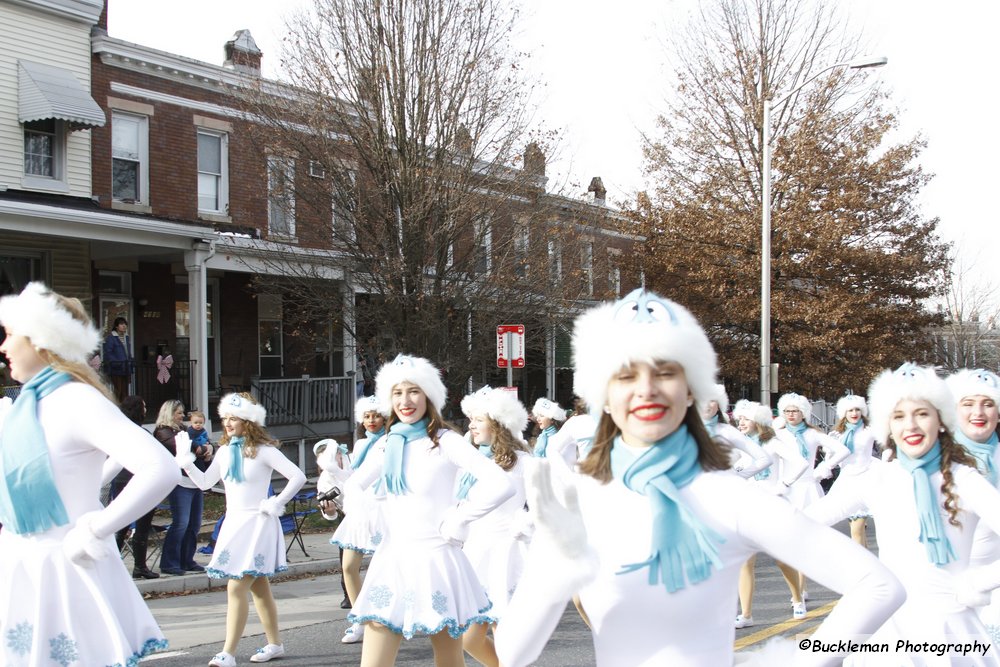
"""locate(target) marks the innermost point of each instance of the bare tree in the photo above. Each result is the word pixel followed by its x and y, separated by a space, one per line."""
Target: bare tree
pixel 970 334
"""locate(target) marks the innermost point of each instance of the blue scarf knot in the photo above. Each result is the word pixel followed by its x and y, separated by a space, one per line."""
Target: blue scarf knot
pixel 983 452
pixel 766 472
pixel 392 466
pixel 932 533
pixel 798 431
pixel 235 472
pixel 359 457
pixel 681 543
pixel 710 424
pixel 542 444
pixel 29 500
pixel 849 431
pixel 468 481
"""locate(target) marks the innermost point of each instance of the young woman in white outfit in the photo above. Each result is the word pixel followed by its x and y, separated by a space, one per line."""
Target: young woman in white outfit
pixel 755 423
pixel 251 545
pixel 748 456
pixel 653 530
pixel 853 432
pixel 362 531
pixel 333 460
pixel 977 393
pixel 497 542
pixel 551 440
pixel 420 582
pixel 66 596
pixel 926 504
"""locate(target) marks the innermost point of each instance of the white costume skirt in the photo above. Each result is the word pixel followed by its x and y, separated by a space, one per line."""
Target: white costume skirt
pixel 361 530
pixel 421 588
pixel 58 613
pixel 250 543
pixel 804 491
pixel 498 561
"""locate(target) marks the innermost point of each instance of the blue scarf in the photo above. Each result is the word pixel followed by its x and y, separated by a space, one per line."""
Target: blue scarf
pixel 29 500
pixel 468 481
pixel 983 451
pixel 798 432
pixel 766 472
pixel 711 424
pixel 342 449
pixel 681 543
pixel 849 431
pixel 932 533
pixel 366 447
pixel 235 472
pixel 392 467
pixel 542 443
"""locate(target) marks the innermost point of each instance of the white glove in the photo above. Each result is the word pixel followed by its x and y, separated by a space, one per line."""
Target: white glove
pixel 970 589
pixel 454 529
pixel 182 448
pixel 81 545
pixel 822 471
pixel 272 507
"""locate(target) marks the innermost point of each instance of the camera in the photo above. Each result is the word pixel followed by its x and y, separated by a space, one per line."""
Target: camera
pixel 328 495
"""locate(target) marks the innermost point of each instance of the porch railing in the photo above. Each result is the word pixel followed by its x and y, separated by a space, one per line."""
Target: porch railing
pixel 305 400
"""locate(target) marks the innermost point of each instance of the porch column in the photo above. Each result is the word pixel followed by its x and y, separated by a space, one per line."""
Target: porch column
pixel 350 323
pixel 194 263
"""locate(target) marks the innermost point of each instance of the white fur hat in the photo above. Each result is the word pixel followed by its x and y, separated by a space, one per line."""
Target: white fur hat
pixel 753 411
pixel 326 443
pixel 366 405
pixel 720 397
pixel 543 407
pixel 850 402
pixel 415 370
pixel 908 382
pixel 36 314
pixel 795 401
pixel 499 405
pixel 644 327
pixel 235 405
pixel 977 382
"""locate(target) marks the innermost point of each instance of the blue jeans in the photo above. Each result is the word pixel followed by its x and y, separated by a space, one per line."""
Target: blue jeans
pixel 182 535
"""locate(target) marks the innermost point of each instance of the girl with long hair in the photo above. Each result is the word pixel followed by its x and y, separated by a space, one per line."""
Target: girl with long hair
pixel 65 595
pixel 251 545
pixel 653 530
pixel 926 504
pixel 419 581
pixel 853 432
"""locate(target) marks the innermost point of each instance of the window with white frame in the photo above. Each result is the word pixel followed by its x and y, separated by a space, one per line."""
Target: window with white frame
pixel 587 267
pixel 269 347
pixel 344 200
pixel 44 154
pixel 213 172
pixel 483 231
pixel 129 158
pixel 281 196
pixel 555 261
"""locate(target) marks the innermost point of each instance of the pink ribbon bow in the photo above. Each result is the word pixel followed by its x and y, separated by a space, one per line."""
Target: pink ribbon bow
pixel 163 365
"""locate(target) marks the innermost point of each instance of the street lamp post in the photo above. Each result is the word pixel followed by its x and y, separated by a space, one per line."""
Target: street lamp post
pixel 765 231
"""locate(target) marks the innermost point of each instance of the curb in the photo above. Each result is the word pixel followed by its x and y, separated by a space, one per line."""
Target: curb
pixel 201 582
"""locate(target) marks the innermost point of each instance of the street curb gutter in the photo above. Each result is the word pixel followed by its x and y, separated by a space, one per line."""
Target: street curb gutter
pixel 200 582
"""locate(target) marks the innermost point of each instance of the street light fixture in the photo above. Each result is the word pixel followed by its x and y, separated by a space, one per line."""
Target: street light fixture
pixel 765 247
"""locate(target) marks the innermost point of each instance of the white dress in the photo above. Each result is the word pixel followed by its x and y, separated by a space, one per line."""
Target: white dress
pixel 749 458
pixel 857 461
pixel 418 582
pixel 806 489
pixel 497 544
pixel 250 542
pixel 364 528
pixel 787 466
pixel 635 624
pixel 986 550
pixel 53 611
pixel 930 613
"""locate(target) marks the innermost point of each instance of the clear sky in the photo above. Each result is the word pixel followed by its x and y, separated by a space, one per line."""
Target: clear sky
pixel 604 66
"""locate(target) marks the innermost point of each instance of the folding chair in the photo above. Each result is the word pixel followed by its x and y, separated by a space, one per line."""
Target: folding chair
pixel 292 521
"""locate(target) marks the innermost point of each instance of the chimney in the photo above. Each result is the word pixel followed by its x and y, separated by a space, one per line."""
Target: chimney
pixel 597 187
pixel 242 54
pixel 534 160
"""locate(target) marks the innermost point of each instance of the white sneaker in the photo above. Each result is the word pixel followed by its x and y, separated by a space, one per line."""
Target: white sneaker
pixel 799 610
pixel 222 659
pixel 353 634
pixel 268 652
pixel 744 621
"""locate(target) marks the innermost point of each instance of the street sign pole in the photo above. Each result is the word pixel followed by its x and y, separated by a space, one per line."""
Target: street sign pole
pixel 509 345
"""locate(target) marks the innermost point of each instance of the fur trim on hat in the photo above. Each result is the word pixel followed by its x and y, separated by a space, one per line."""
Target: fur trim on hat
pixel 326 443
pixel 796 401
pixel 415 370
pixel 642 327
pixel 976 382
pixel 543 407
pixel 235 405
pixel 36 314
pixel 720 397
pixel 366 405
pixel 912 382
pixel 499 405
pixel 850 402
pixel 753 411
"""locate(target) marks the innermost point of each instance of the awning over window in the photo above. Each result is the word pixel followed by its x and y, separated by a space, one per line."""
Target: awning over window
pixel 46 92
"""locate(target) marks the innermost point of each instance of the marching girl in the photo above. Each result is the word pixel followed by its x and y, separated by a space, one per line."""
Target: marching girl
pixel 748 457
pixel 552 441
pixel 497 542
pixel 654 528
pixel 333 461
pixel 926 504
pixel 853 432
pixel 65 595
pixel 251 545
pixel 361 532
pixel 755 423
pixel 419 582
pixel 977 393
